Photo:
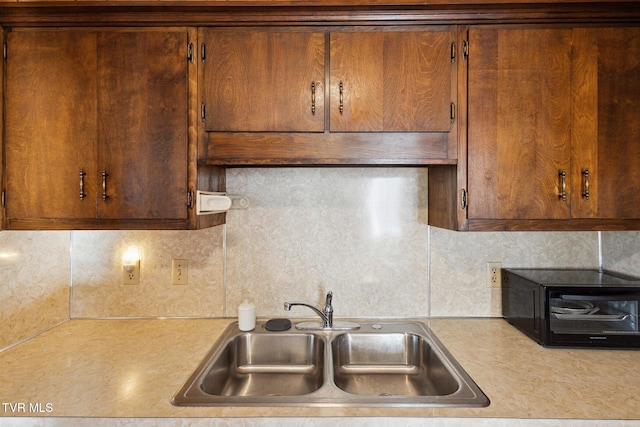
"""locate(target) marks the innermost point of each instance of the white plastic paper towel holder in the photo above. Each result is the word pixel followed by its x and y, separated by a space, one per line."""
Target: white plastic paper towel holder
pixel 208 203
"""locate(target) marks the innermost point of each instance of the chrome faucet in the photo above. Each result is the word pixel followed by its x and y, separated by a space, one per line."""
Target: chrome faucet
pixel 326 315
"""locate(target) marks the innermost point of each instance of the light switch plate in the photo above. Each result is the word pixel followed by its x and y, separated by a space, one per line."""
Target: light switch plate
pixel 179 271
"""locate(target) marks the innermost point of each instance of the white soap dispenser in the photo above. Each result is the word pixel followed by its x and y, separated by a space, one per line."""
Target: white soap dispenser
pixel 247 316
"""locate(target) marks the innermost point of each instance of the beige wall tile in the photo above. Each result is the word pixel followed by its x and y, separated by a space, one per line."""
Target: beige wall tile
pixel 97 274
pixel 359 232
pixel 458 264
pixel 34 283
pixel 621 251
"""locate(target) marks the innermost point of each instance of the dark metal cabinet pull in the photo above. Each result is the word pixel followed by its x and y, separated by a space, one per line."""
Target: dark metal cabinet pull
pixel 82 193
pixel 563 185
pixel 313 98
pixel 585 174
pixel 104 185
pixel 341 88
pixel 190 52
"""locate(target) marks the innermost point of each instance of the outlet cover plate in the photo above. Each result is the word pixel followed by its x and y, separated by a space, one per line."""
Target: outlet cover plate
pixel 131 274
pixel 494 274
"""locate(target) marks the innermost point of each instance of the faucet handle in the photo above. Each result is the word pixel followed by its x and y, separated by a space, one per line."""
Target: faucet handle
pixel 328 308
pixel 329 299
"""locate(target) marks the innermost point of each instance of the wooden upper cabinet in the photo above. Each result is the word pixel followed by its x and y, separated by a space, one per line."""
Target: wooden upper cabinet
pixel 553 129
pixel 96 129
pixel 329 95
pixel 263 80
pixel 51 124
pixel 2 210
pixel 519 137
pixel 606 122
pixel 142 124
pixel 391 81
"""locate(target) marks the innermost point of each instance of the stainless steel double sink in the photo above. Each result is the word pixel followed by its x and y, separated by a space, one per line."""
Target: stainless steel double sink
pixel 390 364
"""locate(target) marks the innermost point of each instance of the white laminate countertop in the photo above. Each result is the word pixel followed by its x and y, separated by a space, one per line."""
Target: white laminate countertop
pixel 117 369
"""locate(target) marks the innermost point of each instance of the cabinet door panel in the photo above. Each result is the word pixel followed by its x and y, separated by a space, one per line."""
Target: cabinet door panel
pixel 260 81
pixel 2 77
pixel 391 81
pixel 142 135
pixel 606 124
pixel 356 65
pixel 519 123
pixel 50 124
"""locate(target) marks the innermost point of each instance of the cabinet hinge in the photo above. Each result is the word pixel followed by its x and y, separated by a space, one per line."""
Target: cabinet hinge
pixel 203 112
pixel 453 52
pixel 4 200
pixel 463 199
pixel 4 51
pixel 453 112
pixel 465 50
pixel 190 53
pixel 203 52
pixel 191 200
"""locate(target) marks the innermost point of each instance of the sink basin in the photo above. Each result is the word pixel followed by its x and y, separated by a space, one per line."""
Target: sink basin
pixel 267 365
pixel 391 364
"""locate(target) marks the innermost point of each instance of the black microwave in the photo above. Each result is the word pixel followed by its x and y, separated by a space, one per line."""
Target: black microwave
pixel 575 308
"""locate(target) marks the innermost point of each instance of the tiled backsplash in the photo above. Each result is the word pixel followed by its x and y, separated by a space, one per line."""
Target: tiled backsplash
pixel 97 274
pixel 360 232
pixel 458 264
pixel 621 251
pixel 34 283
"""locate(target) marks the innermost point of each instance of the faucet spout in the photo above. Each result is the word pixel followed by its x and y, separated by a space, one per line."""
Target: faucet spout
pixel 326 315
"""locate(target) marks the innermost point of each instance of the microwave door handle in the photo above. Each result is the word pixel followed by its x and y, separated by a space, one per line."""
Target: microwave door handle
pixel 610 297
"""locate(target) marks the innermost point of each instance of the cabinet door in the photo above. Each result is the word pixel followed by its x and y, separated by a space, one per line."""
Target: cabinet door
pixel 263 80
pixel 519 123
pixel 2 186
pixel 50 124
pixel 142 124
pixel 606 122
pixel 391 81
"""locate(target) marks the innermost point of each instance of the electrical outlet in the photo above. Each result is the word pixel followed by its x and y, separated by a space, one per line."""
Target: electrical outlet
pixel 494 274
pixel 179 271
pixel 131 275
